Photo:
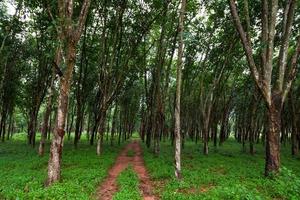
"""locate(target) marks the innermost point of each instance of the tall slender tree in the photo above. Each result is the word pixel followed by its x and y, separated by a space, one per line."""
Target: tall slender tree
pixel 178 92
pixel 69 35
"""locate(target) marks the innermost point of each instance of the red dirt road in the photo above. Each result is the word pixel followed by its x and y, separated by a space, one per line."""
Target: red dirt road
pixel 109 185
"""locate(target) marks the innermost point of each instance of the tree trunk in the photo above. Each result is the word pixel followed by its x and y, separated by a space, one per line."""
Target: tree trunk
pixel 294 136
pixel 88 127
pixel 177 127
pixel 78 124
pixel 215 133
pixel 101 131
pixel 70 37
pixel 2 125
pixel 93 133
pixel 252 127
pixel 56 148
pixel 46 117
pixel 80 93
pixel 272 140
pixel 205 140
pixel 113 126
pixel 120 131
pixel 50 129
pixel 32 127
pixel 10 126
pixel 70 125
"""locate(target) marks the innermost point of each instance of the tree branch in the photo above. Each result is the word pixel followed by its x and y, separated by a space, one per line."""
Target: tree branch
pixel 287 27
pixel 82 18
pixel 264 34
pixel 268 67
pixel 246 45
pixel 293 70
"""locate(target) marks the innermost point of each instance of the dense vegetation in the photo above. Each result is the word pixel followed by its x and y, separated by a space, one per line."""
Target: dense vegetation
pixel 213 85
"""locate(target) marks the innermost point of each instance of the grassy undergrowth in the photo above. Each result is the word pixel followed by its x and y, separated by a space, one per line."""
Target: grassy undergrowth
pixel 130 153
pixel 128 186
pixel 23 172
pixel 226 173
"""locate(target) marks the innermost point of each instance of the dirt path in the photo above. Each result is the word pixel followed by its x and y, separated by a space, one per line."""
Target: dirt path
pixel 109 186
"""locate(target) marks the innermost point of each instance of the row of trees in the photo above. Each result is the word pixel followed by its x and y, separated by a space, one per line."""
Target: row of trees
pixel 170 70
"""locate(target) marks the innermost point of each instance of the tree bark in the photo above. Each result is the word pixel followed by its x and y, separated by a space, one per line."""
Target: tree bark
pixel 272 164
pixel 70 120
pixel 71 36
pixel 113 126
pixel 56 148
pixel 178 92
pixel 46 117
pixel 32 127
pixel 2 124
pixel 101 131
pixel 294 136
pixel 80 93
pixel 10 126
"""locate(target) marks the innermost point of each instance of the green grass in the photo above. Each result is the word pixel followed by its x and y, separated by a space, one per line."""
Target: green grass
pixel 128 183
pixel 226 173
pixel 135 136
pixel 130 153
pixel 23 172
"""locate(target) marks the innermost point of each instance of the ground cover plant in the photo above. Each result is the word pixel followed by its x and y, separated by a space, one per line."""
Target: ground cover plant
pixel 227 173
pixel 83 171
pixel 128 182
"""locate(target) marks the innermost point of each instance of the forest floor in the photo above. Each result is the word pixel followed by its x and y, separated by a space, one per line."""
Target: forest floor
pixel 130 156
pixel 23 172
pixel 228 172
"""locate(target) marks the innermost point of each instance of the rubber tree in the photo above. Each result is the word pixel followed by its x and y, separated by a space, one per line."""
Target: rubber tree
pixel 274 91
pixel 69 32
pixel 47 114
pixel 178 91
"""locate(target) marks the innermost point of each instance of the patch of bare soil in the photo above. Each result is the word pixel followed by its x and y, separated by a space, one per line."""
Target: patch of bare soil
pixel 109 186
